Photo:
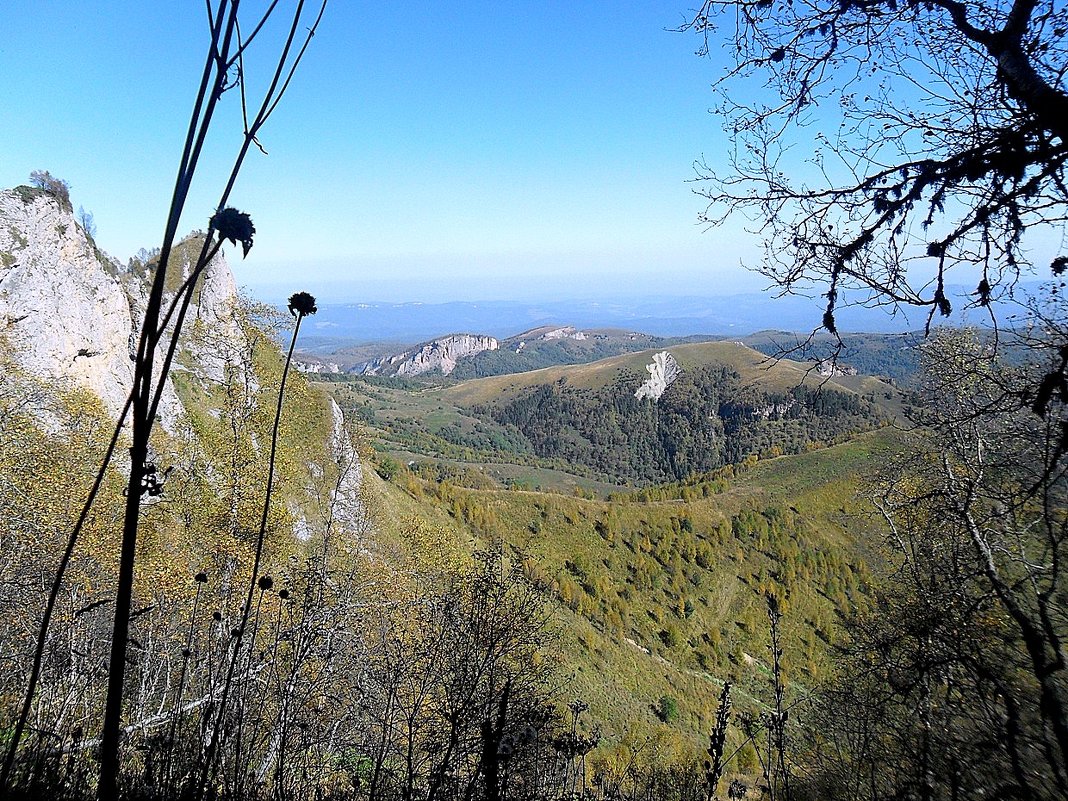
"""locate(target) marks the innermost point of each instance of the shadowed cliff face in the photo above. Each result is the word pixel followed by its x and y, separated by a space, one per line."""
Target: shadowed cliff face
pixel 71 314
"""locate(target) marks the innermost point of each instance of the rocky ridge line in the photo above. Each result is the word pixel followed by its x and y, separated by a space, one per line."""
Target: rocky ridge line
pixel 438 355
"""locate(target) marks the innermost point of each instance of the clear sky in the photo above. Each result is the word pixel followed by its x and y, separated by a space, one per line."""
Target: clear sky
pixel 426 151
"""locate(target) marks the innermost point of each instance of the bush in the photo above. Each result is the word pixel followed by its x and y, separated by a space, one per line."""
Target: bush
pixel 56 187
pixel 670 636
pixel 387 468
pixel 667 709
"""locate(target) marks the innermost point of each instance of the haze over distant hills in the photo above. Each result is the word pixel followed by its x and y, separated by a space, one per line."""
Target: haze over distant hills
pixel 338 323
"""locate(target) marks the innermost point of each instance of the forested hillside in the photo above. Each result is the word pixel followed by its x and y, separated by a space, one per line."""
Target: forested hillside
pixel 727 403
pixel 704 420
pixel 660 593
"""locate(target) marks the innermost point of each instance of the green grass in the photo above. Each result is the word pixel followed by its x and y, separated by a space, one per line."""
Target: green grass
pixel 666 598
pixel 441 422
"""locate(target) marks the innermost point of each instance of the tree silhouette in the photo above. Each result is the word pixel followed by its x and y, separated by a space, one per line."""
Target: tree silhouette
pixel 892 142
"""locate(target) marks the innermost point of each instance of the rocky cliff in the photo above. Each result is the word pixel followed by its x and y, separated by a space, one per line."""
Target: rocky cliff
pixel 547 334
pixel 438 355
pixel 70 314
pixel 829 368
pixel 63 310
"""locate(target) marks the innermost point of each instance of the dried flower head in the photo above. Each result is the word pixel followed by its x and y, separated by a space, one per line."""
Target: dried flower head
pixel 234 225
pixel 283 594
pixel 265 583
pixel 302 304
pixel 201 578
pixel 216 616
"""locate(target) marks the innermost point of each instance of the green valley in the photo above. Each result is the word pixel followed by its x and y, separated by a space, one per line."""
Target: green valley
pixel 582 426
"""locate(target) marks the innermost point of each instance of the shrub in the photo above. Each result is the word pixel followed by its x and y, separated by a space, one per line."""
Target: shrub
pixel 667 709
pixel 670 636
pixel 56 187
pixel 387 468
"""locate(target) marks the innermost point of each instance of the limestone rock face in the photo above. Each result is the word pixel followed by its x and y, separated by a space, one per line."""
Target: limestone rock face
pixel 548 334
pixel 316 367
pixel 63 309
pixel 213 336
pixel 349 511
pixel 566 332
pixel 71 315
pixel 831 368
pixel 662 374
pixel 441 354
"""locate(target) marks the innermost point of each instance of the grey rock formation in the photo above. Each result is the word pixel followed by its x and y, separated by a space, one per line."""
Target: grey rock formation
pixel 316 368
pixel 547 334
pixel 662 374
pixel 438 355
pixel 829 368
pixel 71 315
pixel 566 332
pixel 63 309
pixel 774 411
pixel 348 506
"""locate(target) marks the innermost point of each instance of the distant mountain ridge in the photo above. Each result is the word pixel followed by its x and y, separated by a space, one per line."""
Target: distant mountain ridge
pixel 339 324
pixel 894 356
pixel 464 355
pixel 438 356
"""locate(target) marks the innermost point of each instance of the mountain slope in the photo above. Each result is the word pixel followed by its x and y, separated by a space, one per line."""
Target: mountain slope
pixel 727 402
pixel 71 320
pixel 660 592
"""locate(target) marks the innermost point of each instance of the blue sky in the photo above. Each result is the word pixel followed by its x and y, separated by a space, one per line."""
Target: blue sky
pixel 484 150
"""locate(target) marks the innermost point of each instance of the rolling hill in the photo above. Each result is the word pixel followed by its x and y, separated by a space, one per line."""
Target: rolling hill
pixel 658 587
pixel 581 425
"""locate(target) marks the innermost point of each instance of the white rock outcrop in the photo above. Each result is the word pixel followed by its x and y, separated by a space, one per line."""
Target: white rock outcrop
pixel 438 355
pixel 214 337
pixel 829 368
pixel 662 374
pixel 71 315
pixel 547 334
pixel 348 506
pixel 317 368
pixel 566 332
pixel 63 309
pixel 774 411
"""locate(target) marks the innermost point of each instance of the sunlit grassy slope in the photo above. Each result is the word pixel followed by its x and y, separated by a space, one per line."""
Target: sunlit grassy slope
pixel 455 424
pixel 664 597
